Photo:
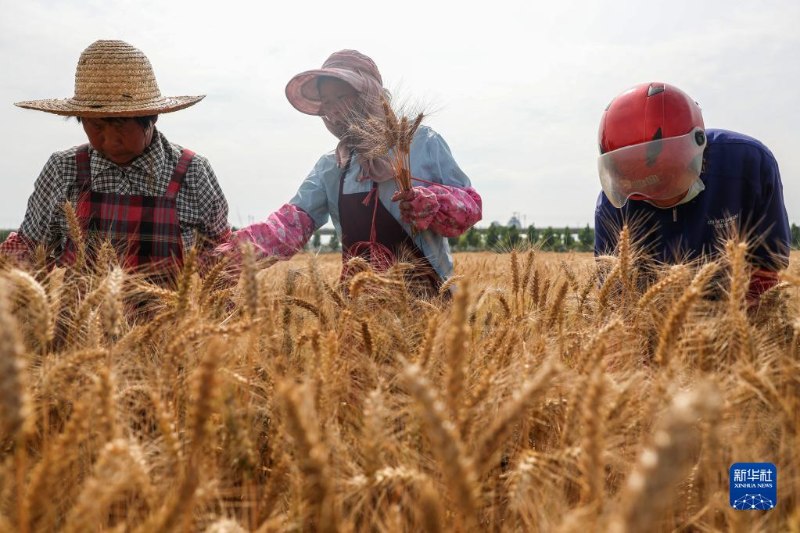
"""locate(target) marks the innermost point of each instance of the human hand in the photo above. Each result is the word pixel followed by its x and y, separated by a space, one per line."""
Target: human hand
pixel 418 206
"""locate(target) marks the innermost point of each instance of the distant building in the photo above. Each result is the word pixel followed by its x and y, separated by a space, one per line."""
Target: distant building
pixel 514 221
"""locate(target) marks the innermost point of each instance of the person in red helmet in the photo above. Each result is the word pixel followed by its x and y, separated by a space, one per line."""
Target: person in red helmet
pixel 688 186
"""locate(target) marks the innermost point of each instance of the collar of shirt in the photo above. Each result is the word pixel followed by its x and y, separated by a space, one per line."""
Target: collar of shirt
pixel 696 188
pixel 149 163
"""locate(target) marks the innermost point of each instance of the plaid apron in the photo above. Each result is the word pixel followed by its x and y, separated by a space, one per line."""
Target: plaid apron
pixel 144 230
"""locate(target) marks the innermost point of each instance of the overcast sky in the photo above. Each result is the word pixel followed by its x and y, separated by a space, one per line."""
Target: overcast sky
pixel 517 88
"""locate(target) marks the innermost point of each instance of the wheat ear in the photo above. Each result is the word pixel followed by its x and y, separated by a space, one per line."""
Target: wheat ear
pixel 491 445
pixel 665 462
pixel 16 422
pixel 446 444
pixel 457 350
pixel 740 340
pixel 313 458
pixel 119 469
pixel 591 463
pixel 668 335
pixel 76 236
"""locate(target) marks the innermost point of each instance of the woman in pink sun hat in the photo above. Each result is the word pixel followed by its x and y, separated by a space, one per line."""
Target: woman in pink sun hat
pixel 357 189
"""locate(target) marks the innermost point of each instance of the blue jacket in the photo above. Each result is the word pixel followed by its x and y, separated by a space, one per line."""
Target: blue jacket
pixel 743 192
pixel 431 160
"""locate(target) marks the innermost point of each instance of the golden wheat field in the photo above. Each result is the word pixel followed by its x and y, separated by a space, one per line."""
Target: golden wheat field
pixel 552 393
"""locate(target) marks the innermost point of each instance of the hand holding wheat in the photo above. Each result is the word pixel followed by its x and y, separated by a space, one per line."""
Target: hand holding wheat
pixel 418 206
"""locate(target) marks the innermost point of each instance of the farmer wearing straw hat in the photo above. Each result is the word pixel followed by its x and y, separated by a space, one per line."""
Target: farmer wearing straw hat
pixel 357 190
pixel 129 185
pixel 688 185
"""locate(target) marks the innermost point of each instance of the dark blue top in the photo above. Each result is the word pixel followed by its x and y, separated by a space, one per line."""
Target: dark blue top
pixel 743 192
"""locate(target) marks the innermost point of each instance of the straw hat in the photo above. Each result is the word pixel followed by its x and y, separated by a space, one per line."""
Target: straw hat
pixel 113 79
pixel 350 66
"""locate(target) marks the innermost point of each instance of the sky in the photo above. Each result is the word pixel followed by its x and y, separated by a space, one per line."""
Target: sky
pixel 517 89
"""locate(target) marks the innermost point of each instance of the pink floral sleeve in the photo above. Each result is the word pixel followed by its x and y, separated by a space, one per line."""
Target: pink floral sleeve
pixel 459 210
pixel 17 247
pixel 449 211
pixel 284 232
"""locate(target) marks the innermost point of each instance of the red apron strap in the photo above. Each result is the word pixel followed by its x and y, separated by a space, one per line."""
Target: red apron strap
pixel 180 172
pixel 84 177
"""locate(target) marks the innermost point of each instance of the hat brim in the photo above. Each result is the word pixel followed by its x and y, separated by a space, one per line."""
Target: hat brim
pixel 72 108
pixel 302 92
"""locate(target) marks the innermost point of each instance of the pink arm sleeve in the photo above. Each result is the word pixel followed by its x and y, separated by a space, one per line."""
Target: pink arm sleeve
pixel 459 209
pixel 17 247
pixel 283 233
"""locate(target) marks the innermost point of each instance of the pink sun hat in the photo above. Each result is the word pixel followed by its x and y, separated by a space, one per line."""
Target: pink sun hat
pixel 350 66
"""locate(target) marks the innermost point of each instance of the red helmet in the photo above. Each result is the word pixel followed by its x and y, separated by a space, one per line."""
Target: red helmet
pixel 651 143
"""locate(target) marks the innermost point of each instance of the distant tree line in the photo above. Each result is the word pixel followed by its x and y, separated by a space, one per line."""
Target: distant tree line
pixel 497 237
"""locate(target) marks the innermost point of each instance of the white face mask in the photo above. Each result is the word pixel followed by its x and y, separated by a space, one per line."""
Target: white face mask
pixel 695 188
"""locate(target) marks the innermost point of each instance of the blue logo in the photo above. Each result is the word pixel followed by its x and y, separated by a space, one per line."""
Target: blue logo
pixel 753 486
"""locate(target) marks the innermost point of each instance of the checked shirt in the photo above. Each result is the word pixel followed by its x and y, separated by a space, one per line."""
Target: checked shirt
pixel 201 205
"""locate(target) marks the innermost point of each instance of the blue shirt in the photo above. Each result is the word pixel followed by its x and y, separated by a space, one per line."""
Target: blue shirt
pixel 743 192
pixel 431 160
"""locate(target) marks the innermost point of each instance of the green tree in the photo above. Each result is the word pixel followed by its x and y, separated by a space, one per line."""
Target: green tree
pixel 548 239
pixel 493 235
pixel 586 239
pixel 795 236
pixel 512 236
pixel 316 241
pixel 471 240
pixel 567 240
pixel 533 234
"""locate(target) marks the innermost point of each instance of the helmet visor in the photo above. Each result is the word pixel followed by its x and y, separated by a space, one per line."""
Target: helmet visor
pixel 655 170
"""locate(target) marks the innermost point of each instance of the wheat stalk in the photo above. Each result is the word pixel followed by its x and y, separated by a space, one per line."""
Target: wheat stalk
pixel 446 445
pixel 675 445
